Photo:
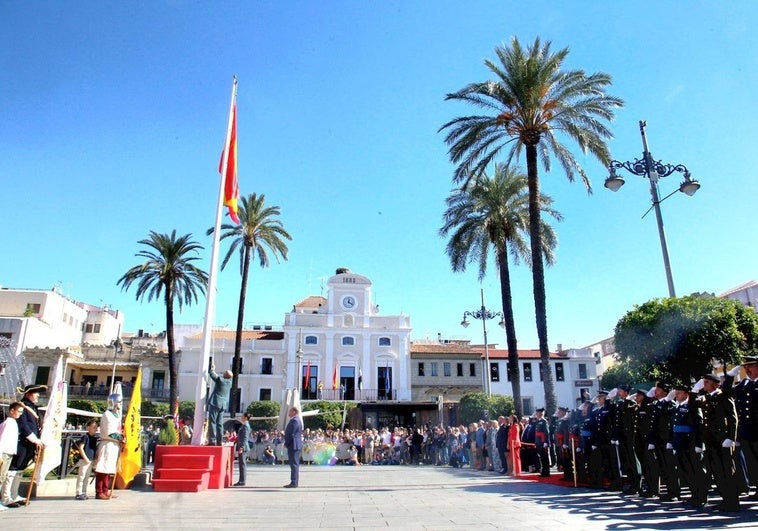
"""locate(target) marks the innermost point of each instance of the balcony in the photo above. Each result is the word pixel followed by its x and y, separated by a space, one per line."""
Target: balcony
pixel 97 392
pixel 351 395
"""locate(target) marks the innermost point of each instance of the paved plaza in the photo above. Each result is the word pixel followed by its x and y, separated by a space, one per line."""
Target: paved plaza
pixel 373 497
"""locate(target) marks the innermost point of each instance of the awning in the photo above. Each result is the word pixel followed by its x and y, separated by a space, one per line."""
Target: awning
pixel 103 364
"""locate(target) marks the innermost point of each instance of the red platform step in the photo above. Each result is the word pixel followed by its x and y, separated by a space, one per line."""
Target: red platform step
pixel 192 468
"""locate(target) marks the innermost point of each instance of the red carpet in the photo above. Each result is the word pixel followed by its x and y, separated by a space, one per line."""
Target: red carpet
pixel 553 479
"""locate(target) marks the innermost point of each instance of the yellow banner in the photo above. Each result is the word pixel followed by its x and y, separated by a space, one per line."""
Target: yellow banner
pixel 131 452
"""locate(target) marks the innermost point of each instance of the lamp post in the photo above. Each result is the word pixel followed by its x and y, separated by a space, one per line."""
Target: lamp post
pixel 653 170
pixel 484 315
pixel 299 357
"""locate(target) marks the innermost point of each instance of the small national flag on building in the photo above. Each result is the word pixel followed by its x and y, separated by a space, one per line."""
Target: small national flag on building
pixel 335 383
pixel 131 452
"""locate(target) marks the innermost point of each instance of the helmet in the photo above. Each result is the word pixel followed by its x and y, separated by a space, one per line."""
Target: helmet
pixel 114 401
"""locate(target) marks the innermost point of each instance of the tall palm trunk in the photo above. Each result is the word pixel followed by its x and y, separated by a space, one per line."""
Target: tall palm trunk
pixel 173 370
pixel 236 364
pixel 510 329
pixel 538 277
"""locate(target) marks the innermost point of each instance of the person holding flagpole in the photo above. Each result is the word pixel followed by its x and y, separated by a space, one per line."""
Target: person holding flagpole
pixel 109 448
pixel 29 442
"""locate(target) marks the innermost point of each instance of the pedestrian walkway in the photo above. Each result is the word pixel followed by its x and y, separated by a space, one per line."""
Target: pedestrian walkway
pixel 373 497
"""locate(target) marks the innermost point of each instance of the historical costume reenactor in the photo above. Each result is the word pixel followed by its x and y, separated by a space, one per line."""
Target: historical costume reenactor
pixel 29 443
pixel 109 448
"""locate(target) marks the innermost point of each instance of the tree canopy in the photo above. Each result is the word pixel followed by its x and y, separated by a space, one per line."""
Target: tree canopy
pixel 680 339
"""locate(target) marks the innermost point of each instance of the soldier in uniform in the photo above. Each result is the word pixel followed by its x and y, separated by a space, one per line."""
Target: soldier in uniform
pixel 719 434
pixel 562 447
pixel 687 442
pixel 624 430
pixel 646 457
pixel 606 458
pixel 660 439
pixel 745 395
pixel 583 433
pixel 542 441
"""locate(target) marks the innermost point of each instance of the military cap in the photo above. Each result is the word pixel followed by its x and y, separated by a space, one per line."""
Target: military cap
pixel 750 360
pixel 624 387
pixel 640 392
pixel 663 386
pixel 682 387
pixel 602 392
pixel 712 378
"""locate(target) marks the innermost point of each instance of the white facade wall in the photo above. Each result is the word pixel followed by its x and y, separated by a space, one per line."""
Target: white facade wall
pixel 346 332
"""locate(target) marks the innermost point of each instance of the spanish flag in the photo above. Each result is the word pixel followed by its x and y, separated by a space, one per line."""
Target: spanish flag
pixel 131 452
pixel 229 155
pixel 334 378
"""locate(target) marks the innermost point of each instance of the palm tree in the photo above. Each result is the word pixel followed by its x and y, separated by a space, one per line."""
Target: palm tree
pixel 494 212
pixel 258 230
pixel 168 271
pixel 530 100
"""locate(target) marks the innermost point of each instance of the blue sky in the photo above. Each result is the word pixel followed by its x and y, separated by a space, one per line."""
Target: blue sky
pixel 112 118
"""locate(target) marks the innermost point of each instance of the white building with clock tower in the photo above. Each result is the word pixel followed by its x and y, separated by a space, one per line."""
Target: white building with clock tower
pixel 340 347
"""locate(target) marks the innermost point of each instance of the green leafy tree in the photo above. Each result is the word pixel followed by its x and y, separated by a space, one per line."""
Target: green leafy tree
pixel 330 414
pixel 530 100
pixel 679 339
pixel 168 272
pixel 493 212
pixel 259 232
pixel 472 407
pixel 263 408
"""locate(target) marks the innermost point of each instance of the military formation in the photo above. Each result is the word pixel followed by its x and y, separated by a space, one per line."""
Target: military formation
pixel 667 441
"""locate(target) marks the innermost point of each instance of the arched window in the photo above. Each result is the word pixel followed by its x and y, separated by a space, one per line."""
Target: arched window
pixel 311 340
pixel 348 341
pixel 385 342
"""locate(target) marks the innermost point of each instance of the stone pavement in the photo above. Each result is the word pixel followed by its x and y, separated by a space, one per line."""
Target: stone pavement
pixel 373 497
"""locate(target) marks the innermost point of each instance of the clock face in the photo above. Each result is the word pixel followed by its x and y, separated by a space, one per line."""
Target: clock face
pixel 348 302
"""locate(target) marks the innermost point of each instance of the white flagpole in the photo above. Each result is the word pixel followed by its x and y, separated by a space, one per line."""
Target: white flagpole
pixel 210 301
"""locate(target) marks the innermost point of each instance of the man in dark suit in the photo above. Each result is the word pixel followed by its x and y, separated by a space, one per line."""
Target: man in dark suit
pixel 242 447
pixel 745 395
pixel 217 402
pixel 293 441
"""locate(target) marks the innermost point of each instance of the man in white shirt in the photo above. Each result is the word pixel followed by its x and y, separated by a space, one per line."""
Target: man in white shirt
pixel 8 445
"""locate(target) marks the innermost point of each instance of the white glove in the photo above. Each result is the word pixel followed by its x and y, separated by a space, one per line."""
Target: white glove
pixel 578 450
pixel 651 393
pixel 594 447
pixel 735 371
pixel 613 393
pixel 669 446
pixel 698 386
pixel 651 447
pixel 565 446
pixel 728 443
pixel 546 445
pixel 698 449
pixel 670 396
pixel 615 443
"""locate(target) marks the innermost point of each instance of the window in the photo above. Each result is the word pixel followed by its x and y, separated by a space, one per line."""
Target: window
pixel 434 368
pixel 459 369
pixel 87 328
pixel 528 404
pixel 385 342
pixel 32 309
pixel 541 365
pixel 446 368
pixel 527 375
pixel 494 371
pixel 582 371
pixel 65 317
pixel 159 379
pixel 421 368
pixel 559 377
pixel 472 369
pixel 348 341
pixel 267 366
pixel 264 394
pixel 96 328
pixel 43 373
pixel 311 340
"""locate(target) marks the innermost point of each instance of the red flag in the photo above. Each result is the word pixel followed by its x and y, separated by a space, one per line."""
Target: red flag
pixel 231 188
pixel 307 374
pixel 334 378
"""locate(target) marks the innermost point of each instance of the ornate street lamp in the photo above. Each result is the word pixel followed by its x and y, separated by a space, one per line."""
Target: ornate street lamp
pixel 653 170
pixel 484 315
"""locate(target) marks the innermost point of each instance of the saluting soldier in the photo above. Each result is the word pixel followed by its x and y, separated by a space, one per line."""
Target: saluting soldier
pixel 646 457
pixel 719 434
pixel 660 439
pixel 687 442
pixel 745 395
pixel 607 457
pixel 624 429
